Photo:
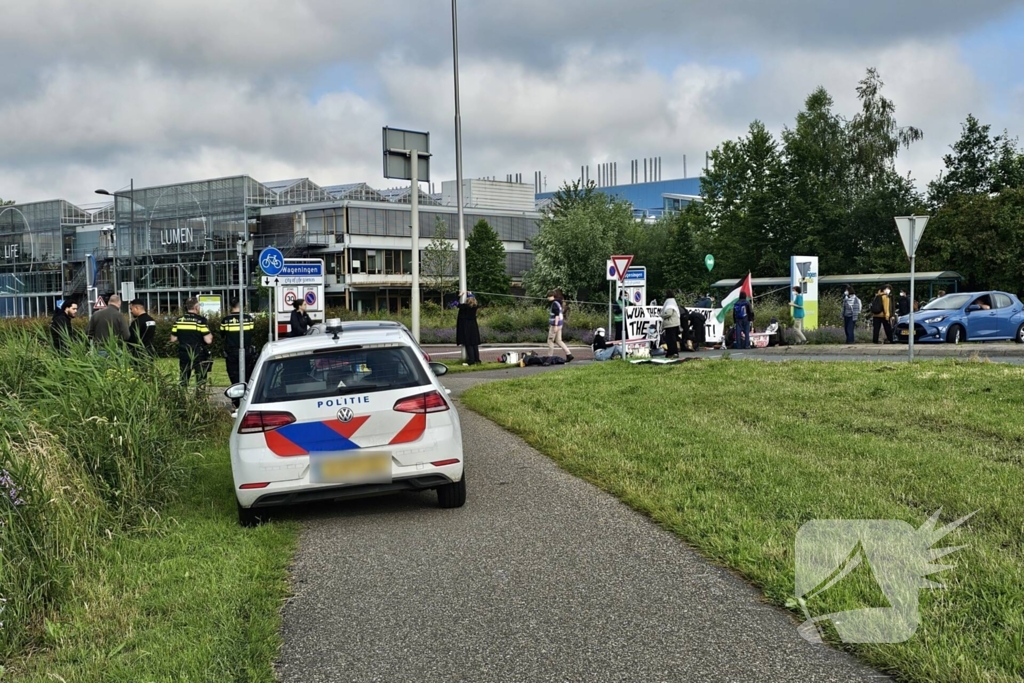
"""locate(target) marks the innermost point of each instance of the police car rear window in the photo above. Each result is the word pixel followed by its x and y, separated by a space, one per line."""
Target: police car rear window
pixel 339 372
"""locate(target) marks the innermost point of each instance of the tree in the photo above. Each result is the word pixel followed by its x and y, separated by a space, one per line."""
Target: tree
pixel 579 231
pixel 6 203
pixel 439 262
pixel 979 236
pixel 684 266
pixel 875 136
pixel 485 263
pixel 818 173
pixel 1008 169
pixel 743 200
pixel 971 165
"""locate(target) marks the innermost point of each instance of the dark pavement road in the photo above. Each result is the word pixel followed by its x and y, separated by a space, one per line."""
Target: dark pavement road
pixel 540 577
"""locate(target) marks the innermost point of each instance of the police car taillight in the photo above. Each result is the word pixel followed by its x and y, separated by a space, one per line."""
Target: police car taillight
pixel 431 402
pixel 264 421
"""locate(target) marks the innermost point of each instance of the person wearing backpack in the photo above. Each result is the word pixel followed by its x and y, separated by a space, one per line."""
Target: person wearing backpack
pixel 851 312
pixel 880 315
pixel 742 315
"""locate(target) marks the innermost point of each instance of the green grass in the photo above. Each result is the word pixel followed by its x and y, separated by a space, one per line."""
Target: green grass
pixel 218 376
pixel 735 456
pixel 456 367
pixel 191 597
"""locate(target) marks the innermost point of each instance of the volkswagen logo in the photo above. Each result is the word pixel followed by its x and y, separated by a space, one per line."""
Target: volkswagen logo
pixel 345 414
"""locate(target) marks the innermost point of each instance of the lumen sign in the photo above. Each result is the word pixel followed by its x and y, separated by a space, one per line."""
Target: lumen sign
pixel 176 236
pixel 11 251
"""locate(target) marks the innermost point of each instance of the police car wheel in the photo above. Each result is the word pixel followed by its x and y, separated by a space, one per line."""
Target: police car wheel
pixel 250 517
pixel 452 495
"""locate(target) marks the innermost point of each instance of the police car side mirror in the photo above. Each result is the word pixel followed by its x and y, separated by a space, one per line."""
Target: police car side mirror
pixel 439 369
pixel 235 391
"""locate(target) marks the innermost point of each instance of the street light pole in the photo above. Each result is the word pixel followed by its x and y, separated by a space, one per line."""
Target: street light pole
pixel 458 153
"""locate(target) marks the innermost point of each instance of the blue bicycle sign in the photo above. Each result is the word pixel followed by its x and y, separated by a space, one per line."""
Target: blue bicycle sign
pixel 271 261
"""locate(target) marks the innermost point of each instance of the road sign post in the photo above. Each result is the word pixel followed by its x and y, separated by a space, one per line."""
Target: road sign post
pixel 911 228
pixel 271 263
pixel 620 265
pixel 407 157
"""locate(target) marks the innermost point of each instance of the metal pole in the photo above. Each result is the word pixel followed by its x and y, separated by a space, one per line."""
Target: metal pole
pixel 414 200
pixel 132 249
pixel 611 293
pixel 241 314
pixel 913 250
pixel 113 242
pixel 458 152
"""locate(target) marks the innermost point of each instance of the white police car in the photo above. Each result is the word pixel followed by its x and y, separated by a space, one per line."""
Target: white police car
pixel 347 413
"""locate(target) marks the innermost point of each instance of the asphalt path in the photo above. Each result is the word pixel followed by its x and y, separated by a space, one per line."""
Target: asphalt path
pixel 540 577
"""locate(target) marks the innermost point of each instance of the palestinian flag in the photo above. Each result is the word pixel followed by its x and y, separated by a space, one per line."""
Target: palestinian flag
pixel 734 296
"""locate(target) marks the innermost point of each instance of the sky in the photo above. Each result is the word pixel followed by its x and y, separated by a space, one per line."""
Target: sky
pixel 93 94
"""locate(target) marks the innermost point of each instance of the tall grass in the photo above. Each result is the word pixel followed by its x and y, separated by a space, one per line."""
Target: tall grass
pixel 91 446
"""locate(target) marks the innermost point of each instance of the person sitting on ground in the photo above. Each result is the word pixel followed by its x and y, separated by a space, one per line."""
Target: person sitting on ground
pixel 603 350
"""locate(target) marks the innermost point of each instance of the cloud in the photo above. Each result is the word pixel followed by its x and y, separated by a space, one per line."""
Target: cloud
pixel 96 93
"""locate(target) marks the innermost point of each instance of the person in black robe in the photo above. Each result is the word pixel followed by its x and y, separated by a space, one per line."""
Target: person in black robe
pixel 467 332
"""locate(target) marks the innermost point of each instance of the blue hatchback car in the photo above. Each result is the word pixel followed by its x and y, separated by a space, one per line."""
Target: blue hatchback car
pixel 966 316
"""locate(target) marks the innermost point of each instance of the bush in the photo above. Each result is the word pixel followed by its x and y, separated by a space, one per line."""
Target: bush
pixel 87 444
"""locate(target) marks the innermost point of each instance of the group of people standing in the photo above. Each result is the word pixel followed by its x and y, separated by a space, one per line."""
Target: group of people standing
pixel 106 324
pixel 191 332
pixel 884 309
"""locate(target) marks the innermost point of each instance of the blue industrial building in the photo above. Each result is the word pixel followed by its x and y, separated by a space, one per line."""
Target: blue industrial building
pixel 650 200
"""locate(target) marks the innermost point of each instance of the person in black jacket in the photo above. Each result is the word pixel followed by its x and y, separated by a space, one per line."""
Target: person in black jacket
pixel 903 304
pixel 467 332
pixel 60 325
pixel 300 320
pixel 142 330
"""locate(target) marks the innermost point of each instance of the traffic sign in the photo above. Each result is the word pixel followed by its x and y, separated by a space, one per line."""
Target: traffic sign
pixel 610 273
pixel 271 261
pixel 99 304
pixel 621 264
pixel 311 298
pixel 904 223
pixel 289 298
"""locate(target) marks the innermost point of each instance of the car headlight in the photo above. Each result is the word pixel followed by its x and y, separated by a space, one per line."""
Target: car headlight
pixel 932 321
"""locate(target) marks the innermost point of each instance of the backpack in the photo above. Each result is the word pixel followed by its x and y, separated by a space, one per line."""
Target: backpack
pixel 740 310
pixel 876 305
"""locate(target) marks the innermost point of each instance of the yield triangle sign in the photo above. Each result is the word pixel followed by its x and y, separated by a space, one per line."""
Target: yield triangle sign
pixel 621 264
pixel 99 304
pixel 904 223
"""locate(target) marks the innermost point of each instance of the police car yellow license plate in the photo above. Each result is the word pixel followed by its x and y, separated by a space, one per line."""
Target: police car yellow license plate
pixel 350 468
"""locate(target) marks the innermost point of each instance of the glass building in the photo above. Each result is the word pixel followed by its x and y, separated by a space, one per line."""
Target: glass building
pixel 177 241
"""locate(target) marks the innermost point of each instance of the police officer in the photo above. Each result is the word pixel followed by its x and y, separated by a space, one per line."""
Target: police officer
pixel 192 334
pixel 234 347
pixel 142 329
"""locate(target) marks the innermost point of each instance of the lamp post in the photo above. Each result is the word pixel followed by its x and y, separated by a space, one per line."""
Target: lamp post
pixel 131 230
pixel 458 153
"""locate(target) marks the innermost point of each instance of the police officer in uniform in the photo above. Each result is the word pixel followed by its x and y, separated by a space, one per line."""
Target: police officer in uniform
pixel 142 329
pixel 192 334
pixel 230 326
